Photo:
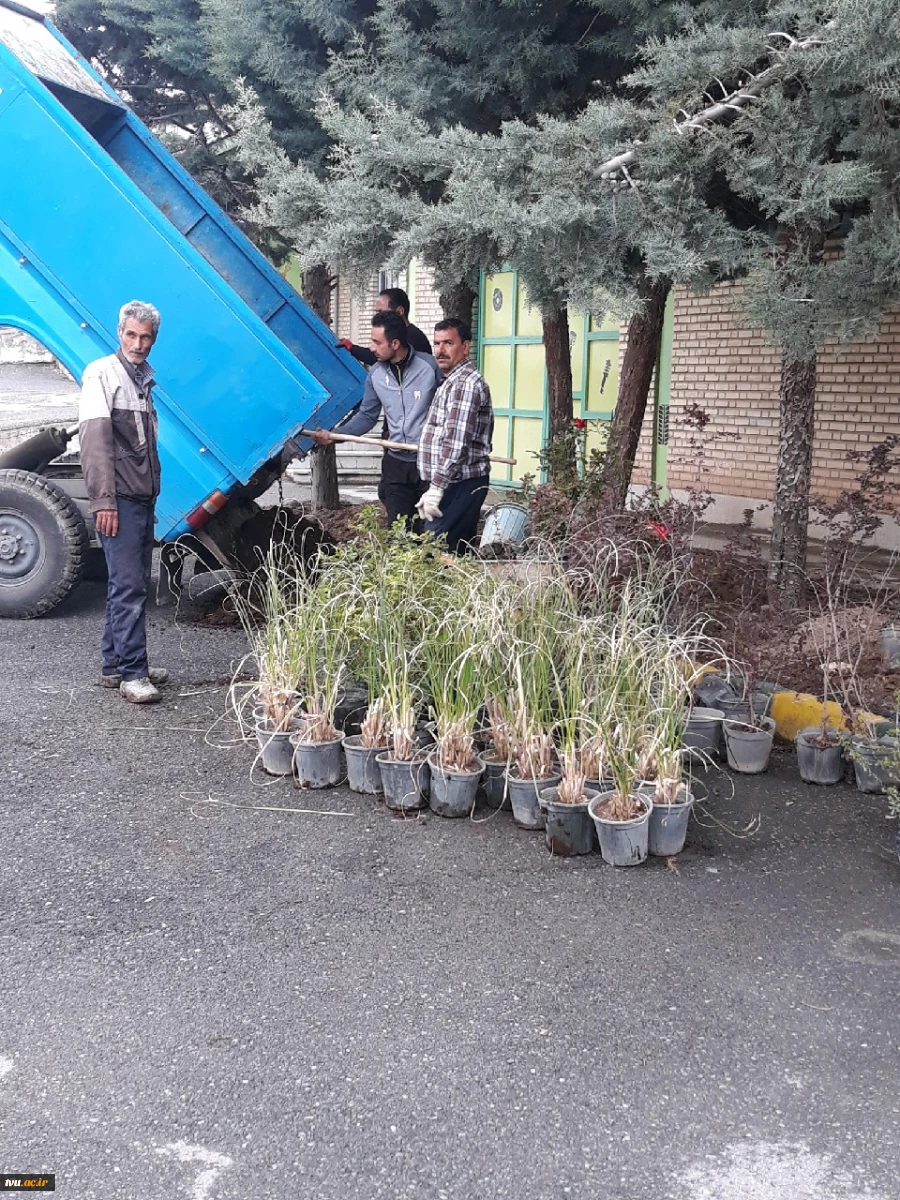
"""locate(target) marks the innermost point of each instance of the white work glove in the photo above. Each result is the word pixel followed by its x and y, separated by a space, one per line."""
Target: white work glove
pixel 428 507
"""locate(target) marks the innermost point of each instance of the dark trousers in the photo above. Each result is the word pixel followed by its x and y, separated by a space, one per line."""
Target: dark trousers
pixel 400 490
pixel 128 557
pixel 460 507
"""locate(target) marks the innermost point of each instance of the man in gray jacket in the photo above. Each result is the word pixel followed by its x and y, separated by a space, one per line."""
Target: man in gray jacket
pixel 402 383
pixel 117 433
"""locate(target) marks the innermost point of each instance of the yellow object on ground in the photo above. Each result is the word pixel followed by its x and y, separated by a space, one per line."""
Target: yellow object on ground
pixel 793 711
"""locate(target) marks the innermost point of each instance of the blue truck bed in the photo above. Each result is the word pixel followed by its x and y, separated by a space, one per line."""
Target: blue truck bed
pixel 94 212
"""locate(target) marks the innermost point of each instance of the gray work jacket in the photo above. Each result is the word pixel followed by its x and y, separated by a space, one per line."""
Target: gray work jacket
pixel 117 433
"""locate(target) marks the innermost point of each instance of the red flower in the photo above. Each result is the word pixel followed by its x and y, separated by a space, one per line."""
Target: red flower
pixel 580 424
pixel 657 528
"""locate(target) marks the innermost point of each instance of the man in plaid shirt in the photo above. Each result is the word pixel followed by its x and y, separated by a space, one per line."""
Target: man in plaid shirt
pixel 455 443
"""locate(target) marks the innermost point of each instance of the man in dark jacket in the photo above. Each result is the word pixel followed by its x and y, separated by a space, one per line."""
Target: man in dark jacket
pixel 117 434
pixel 393 300
pixel 402 383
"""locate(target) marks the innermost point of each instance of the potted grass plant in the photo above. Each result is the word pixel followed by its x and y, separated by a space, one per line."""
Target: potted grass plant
pixel 278 714
pixel 404 772
pixel 362 749
pixel 622 815
pixel 499 752
pixel 536 650
pixel 672 796
pixel 452 657
pixel 266 612
pixel 568 828
pixel 321 631
pixel 496 617
pixel 455 767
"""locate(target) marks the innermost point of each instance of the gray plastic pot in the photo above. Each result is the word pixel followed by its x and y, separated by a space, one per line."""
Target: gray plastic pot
pixel 493 784
pixel 703 732
pixel 622 843
pixel 818 764
pixel 318 764
pixel 748 750
pixel 890 647
pixel 876 765
pixel 569 829
pixel 669 823
pixel 453 792
pixel 405 781
pixel 525 798
pixel 276 752
pixel 363 774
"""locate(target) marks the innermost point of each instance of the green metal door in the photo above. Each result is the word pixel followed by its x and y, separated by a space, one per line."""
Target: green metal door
pixel 511 356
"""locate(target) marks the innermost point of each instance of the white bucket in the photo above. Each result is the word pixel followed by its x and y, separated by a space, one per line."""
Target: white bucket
pixel 506 522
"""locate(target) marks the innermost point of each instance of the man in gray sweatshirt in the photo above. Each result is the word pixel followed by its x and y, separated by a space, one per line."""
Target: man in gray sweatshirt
pixel 117 434
pixel 402 383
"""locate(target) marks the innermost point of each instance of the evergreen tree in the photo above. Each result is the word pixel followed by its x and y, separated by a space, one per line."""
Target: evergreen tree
pixel 816 159
pixel 405 102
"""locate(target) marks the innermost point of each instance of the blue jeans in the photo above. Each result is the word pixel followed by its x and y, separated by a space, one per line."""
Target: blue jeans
pixel 128 557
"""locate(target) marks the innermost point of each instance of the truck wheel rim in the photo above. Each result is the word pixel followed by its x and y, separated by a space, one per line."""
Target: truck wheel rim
pixel 21 547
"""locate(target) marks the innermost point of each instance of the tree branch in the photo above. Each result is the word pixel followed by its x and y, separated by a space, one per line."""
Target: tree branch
pixel 733 102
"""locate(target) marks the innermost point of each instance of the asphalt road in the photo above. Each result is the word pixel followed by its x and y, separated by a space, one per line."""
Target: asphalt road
pixel 222 1000
pixel 35 394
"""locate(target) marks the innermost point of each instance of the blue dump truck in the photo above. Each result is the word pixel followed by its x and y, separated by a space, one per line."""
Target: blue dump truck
pixel 94 212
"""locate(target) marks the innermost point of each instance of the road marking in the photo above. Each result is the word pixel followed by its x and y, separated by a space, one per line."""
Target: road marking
pixel 770 1171
pixel 870 946
pixel 213 1162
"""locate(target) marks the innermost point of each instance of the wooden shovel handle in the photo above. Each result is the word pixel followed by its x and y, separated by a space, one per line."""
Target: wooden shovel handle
pixel 370 441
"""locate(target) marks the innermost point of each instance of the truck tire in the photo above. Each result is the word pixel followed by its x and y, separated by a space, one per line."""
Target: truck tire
pixel 43 544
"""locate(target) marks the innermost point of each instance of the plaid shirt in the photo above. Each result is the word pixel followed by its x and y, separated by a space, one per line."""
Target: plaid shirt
pixel 456 441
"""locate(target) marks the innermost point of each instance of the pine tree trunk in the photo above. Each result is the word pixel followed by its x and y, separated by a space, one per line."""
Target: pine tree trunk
pixel 790 520
pixel 317 284
pixel 558 356
pixel 324 479
pixel 638 364
pixel 793 476
pixel 458 302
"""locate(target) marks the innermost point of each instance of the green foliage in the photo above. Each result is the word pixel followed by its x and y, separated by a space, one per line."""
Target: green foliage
pixel 816 156
pixel 178 63
pixel 450 126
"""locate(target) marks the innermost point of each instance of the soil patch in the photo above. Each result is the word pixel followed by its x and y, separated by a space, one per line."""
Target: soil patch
pixel 794 650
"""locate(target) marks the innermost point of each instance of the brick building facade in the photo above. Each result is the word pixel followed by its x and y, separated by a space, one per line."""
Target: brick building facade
pixel 352 313
pixel 726 369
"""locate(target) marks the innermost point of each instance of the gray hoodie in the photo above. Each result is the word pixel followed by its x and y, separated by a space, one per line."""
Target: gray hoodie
pixel 405 401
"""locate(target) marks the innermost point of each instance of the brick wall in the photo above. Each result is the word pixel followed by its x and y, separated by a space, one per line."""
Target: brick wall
pixel 726 368
pixel 426 307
